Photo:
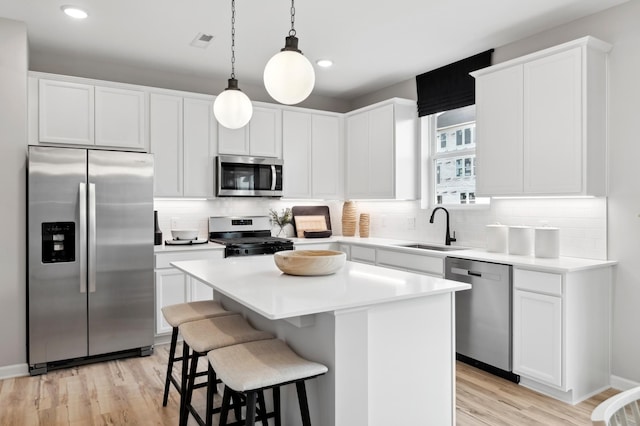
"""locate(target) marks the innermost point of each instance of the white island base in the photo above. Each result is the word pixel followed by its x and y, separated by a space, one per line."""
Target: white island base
pixel 390 356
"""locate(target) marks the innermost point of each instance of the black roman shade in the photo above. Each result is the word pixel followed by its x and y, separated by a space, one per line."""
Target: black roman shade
pixel 451 86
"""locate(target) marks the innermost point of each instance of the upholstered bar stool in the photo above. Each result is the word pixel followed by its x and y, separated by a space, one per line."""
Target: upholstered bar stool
pixel 177 314
pixel 253 367
pixel 201 337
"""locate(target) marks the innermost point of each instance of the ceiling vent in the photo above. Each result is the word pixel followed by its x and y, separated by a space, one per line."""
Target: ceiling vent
pixel 201 40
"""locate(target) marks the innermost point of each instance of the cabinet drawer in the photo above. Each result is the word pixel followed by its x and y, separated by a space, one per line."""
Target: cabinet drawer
pixel 411 262
pixel 163 260
pixel 363 254
pixel 541 282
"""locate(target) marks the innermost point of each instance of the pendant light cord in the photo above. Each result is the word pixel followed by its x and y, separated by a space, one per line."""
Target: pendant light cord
pixel 233 38
pixel 292 31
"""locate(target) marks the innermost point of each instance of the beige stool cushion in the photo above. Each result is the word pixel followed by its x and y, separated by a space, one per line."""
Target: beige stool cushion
pixel 214 333
pixel 260 364
pixel 192 311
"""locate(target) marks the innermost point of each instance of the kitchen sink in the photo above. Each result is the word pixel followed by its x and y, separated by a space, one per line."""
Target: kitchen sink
pixel 431 247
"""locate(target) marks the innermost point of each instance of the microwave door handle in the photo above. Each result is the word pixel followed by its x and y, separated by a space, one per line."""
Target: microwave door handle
pixel 92 238
pixel 82 224
pixel 273 177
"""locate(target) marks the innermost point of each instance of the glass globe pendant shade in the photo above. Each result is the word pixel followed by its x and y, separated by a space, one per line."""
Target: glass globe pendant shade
pixel 289 76
pixel 232 108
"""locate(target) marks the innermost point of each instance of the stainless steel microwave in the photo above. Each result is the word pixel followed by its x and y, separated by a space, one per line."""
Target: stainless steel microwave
pixel 238 176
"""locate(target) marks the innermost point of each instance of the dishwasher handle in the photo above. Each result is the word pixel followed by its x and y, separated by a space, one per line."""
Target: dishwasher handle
pixel 462 272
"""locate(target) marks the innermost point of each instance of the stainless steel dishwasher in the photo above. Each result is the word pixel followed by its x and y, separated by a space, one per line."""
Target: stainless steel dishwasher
pixel 483 315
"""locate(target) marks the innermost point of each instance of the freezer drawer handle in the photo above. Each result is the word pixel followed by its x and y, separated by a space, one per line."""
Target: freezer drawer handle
pixel 92 237
pixel 82 213
pixel 474 274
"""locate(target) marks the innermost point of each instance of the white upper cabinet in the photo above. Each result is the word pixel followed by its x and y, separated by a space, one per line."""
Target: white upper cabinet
pixel 262 137
pixel 182 139
pixel 72 112
pixel 65 112
pixel 541 122
pixel 120 120
pixel 382 151
pixel 499 127
pixel 312 152
pixel 199 130
pixel 165 134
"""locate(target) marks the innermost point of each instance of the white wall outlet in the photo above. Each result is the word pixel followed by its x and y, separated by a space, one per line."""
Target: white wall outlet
pixel 411 223
pixel 174 223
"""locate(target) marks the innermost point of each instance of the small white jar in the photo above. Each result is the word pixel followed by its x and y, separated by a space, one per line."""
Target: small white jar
pixel 497 238
pixel 521 240
pixel 547 242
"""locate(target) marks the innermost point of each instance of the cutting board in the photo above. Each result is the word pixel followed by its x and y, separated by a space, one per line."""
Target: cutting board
pixel 310 211
pixel 309 223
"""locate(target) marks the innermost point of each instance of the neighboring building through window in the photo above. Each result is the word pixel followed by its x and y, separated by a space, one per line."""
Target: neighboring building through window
pixel 452 146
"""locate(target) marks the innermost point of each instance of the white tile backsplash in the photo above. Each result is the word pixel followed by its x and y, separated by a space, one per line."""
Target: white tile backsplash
pixel 582 221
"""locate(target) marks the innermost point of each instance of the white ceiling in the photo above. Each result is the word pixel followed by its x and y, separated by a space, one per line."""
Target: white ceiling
pixel 373 43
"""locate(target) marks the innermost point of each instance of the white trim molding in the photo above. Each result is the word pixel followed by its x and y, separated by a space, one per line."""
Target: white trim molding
pixel 622 384
pixel 16 370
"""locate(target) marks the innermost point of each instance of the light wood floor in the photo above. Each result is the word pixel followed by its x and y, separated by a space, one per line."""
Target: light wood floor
pixel 129 392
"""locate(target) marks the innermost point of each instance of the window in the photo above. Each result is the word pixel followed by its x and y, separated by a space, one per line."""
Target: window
pixel 452 166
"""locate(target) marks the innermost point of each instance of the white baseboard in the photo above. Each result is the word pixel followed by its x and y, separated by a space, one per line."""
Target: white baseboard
pixel 622 384
pixel 16 370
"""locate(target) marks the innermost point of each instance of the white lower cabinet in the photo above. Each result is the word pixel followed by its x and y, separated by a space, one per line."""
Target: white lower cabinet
pixel 537 339
pixel 317 246
pixel 174 286
pixel 171 288
pixel 363 254
pixel 421 263
pixel 561 331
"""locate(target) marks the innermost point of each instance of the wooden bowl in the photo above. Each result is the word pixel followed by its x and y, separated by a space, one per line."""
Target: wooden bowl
pixel 309 262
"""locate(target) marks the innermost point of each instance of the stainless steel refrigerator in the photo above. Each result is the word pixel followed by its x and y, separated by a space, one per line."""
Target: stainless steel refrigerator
pixel 90 256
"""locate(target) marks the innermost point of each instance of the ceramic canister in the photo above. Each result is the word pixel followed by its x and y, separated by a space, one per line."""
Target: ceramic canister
pixel 521 240
pixel 547 243
pixel 497 238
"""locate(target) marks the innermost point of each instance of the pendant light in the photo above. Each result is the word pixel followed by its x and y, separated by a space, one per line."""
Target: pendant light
pixel 289 76
pixel 232 108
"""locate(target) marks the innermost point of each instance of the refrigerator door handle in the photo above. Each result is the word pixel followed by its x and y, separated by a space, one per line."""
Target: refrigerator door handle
pixel 82 213
pixel 92 238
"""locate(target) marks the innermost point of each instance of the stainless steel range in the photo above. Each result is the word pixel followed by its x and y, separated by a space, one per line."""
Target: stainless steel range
pixel 246 236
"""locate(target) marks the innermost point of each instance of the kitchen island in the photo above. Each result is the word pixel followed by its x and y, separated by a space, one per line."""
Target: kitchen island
pixel 386 335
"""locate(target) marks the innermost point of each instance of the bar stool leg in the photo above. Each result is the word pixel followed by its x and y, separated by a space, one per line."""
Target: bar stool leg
pixel 276 406
pixel 224 411
pixel 251 409
pixel 237 405
pixel 302 400
pixel 188 391
pixel 211 385
pixel 172 356
pixel 183 380
pixel 263 408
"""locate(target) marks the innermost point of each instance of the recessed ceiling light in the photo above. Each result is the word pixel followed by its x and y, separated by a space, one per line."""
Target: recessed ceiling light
pixel 324 63
pixel 74 12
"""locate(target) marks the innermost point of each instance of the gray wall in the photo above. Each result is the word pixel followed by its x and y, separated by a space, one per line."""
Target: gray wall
pixel 83 66
pixel 13 142
pixel 618 26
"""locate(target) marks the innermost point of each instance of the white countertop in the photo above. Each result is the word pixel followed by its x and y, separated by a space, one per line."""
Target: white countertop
pixel 559 265
pixel 257 283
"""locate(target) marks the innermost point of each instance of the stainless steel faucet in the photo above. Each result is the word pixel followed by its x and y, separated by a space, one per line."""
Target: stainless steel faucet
pixel 448 238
